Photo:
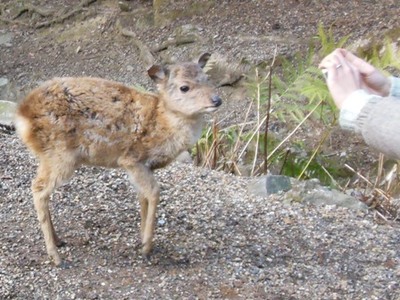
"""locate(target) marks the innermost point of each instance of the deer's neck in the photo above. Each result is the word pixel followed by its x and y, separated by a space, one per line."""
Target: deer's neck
pixel 173 134
pixel 186 129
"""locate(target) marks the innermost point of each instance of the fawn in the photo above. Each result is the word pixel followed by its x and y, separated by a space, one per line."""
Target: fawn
pixel 67 122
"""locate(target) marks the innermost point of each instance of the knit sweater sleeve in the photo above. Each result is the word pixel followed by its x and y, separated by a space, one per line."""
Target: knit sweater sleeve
pixel 395 89
pixel 379 123
pixel 376 118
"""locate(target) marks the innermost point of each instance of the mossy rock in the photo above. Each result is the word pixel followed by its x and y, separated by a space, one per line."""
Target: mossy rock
pixel 7 111
pixel 393 34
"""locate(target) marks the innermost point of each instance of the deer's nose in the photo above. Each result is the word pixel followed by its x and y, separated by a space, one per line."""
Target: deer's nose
pixel 216 100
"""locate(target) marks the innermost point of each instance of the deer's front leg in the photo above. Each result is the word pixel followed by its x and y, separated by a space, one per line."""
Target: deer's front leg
pixel 144 204
pixel 149 194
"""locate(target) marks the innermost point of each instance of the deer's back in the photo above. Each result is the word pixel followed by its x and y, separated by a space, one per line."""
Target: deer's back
pixel 90 115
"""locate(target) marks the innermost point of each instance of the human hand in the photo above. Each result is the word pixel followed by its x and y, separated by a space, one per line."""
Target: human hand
pixel 343 77
pixel 372 79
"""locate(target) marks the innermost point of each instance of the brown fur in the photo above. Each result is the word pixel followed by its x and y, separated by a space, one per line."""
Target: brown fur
pixel 68 122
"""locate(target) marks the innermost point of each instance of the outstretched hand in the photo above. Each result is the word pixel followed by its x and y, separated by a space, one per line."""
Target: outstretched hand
pixel 343 78
pixel 373 80
pixel 348 73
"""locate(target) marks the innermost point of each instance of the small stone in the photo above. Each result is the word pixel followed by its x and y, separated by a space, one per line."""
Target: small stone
pixel 5 39
pixel 3 82
pixel 277 183
pixel 184 158
pixel 124 6
pixel 270 184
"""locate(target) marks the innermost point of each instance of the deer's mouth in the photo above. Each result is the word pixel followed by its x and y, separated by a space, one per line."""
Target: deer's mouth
pixel 210 109
pixel 216 102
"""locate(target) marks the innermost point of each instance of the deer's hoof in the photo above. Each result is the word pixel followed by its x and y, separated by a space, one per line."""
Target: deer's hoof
pixel 146 249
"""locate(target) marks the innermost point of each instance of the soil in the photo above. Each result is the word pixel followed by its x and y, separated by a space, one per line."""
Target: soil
pixel 214 241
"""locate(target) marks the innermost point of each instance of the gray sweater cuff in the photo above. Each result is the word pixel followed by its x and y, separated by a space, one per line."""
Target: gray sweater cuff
pixel 395 87
pixel 350 112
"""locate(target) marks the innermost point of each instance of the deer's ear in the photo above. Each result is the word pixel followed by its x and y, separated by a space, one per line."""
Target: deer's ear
pixel 203 59
pixel 158 73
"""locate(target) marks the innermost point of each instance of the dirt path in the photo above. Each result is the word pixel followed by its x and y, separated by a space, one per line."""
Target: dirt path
pixel 214 241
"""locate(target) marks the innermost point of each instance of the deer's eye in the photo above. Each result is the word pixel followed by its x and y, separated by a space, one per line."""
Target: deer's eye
pixel 184 88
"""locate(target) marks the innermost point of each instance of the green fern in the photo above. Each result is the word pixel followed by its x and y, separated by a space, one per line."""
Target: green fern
pixel 298 95
pixel 301 96
pixel 299 89
pixel 327 40
pixel 384 56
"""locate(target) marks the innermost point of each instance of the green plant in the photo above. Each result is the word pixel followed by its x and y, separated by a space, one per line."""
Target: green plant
pixel 294 95
pixel 384 56
pixel 300 96
pixel 327 40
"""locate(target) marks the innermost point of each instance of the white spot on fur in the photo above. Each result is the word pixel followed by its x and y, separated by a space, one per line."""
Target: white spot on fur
pixel 22 126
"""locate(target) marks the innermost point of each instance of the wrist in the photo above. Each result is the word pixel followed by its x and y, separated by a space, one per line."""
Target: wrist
pixel 394 88
pixel 386 90
pixel 351 108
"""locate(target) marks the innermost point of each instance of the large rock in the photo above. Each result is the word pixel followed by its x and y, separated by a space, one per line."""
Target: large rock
pixel 8 90
pixel 308 191
pixel 5 39
pixel 4 87
pixel 7 111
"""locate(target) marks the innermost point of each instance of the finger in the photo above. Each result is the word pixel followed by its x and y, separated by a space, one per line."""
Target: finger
pixel 333 63
pixel 333 59
pixel 341 72
pixel 344 66
pixel 327 61
pixel 360 64
pixel 347 70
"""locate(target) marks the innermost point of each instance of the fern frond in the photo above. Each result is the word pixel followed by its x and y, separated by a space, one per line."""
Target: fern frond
pixel 327 40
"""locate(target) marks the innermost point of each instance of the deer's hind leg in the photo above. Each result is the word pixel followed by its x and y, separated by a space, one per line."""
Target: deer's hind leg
pixel 49 176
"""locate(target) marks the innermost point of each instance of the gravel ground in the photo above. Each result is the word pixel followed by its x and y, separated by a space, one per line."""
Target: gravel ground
pixel 213 241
